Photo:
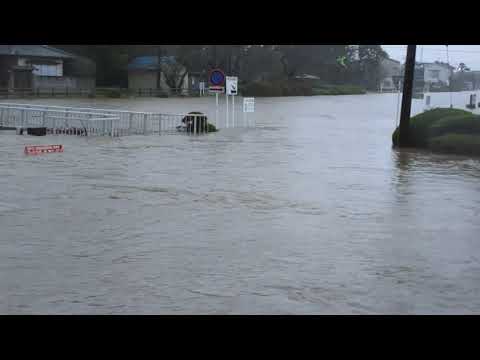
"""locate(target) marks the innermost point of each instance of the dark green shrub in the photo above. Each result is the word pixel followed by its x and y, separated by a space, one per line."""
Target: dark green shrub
pixel 456 143
pixel 262 89
pixel 438 122
pixel 211 128
pixel 338 90
pixel 460 124
pixel 421 123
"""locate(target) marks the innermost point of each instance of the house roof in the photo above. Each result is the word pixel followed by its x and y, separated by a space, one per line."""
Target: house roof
pixel 437 63
pixel 34 50
pixel 149 62
pixel 391 60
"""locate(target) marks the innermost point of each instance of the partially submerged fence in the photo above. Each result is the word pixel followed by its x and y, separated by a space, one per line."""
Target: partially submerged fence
pixel 59 121
pixel 93 121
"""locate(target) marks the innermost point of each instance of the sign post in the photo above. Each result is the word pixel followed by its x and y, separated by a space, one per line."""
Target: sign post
pixel 216 110
pixel 216 81
pixel 232 90
pixel 226 99
pixel 248 106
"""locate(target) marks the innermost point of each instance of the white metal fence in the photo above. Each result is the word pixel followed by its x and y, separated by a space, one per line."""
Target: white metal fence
pixel 100 121
pixel 59 121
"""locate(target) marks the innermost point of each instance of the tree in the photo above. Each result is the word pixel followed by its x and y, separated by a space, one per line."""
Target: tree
pixel 463 68
pixel 370 58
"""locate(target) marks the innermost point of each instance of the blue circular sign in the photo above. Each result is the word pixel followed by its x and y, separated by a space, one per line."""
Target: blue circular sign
pixel 217 78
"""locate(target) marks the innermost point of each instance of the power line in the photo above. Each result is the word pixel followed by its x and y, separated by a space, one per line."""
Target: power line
pixel 435 50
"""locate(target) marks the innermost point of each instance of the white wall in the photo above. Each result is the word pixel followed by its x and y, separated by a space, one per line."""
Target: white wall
pixel 444 73
pixel 47 82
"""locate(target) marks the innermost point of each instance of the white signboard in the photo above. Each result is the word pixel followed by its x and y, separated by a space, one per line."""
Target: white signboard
pixel 232 85
pixel 248 105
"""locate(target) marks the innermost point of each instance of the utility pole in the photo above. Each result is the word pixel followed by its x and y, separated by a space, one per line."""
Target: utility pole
pixel 215 56
pixel 404 139
pixel 159 66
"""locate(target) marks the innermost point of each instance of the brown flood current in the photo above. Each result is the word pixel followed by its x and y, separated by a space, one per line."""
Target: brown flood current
pixel 312 212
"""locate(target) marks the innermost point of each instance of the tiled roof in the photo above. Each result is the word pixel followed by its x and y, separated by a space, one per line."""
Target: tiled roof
pixel 34 50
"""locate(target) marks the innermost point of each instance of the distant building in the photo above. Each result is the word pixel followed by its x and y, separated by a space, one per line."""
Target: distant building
pixel 390 70
pixel 466 81
pixel 44 67
pixel 434 76
pixel 148 72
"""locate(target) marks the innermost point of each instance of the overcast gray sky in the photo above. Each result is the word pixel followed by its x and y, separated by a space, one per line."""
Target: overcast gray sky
pixel 468 54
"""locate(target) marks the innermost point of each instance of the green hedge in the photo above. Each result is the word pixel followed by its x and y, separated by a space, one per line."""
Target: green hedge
pixel 421 123
pixel 297 88
pixel 277 88
pixel 456 143
pixel 460 124
pixel 447 130
pixel 339 90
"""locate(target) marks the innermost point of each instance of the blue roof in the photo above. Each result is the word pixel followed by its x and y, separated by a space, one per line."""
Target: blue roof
pixel 149 62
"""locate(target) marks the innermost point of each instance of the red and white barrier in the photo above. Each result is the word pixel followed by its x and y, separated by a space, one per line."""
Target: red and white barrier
pixel 43 149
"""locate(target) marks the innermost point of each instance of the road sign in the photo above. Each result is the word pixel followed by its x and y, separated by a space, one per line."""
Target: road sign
pixel 217 78
pixel 43 149
pixel 232 85
pixel 248 105
pixel 216 89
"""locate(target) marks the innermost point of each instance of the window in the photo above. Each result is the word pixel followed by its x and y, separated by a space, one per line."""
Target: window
pixel 48 70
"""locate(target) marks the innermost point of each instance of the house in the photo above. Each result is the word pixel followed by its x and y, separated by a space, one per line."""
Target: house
pixel 436 75
pixel 44 67
pixel 390 71
pixel 466 81
pixel 162 73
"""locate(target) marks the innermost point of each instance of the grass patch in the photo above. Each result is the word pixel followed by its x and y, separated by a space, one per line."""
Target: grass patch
pixel 456 143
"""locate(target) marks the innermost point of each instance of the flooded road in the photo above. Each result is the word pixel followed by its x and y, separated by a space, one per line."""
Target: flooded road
pixel 313 212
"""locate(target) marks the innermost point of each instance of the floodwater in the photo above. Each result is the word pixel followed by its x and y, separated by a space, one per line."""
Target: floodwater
pixel 312 212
